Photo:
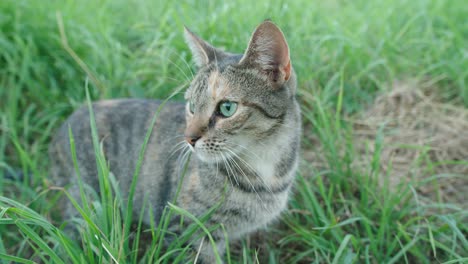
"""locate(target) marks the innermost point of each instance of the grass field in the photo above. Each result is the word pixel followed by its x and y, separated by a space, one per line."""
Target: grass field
pixel 345 54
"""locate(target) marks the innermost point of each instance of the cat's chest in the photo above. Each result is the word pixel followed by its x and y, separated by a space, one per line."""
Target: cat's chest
pixel 257 210
pixel 263 169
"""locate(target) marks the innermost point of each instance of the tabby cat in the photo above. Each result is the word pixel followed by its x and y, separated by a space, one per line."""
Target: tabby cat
pixel 241 122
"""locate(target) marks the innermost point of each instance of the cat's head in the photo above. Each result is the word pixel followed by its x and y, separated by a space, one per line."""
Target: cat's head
pixel 237 101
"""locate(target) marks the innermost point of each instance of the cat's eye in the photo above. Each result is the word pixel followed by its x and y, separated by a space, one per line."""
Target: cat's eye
pixel 191 107
pixel 227 108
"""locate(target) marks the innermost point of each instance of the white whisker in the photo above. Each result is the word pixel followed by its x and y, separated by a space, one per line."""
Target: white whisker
pixel 229 168
pixel 178 147
pixel 247 178
pixel 248 152
pixel 180 69
pixel 243 148
pixel 186 63
pixel 252 169
pixel 182 160
pixel 227 171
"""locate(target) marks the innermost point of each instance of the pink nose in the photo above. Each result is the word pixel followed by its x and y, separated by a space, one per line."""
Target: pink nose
pixel 192 139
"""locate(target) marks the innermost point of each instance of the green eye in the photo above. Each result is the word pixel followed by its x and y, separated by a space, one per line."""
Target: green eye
pixel 227 108
pixel 191 107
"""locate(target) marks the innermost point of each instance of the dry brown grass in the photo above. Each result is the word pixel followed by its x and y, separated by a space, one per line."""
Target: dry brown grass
pixel 425 141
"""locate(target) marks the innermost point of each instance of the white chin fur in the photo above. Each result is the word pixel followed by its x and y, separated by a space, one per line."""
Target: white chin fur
pixel 210 157
pixel 207 157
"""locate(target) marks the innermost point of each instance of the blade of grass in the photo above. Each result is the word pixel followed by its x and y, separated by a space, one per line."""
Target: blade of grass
pixel 185 213
pixel 16 259
pixel 35 238
pixel 341 249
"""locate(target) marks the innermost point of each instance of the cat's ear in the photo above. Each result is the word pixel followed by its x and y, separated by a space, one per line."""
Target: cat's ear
pixel 269 52
pixel 202 52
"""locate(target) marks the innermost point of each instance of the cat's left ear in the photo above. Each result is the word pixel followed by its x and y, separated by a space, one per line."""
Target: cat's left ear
pixel 268 51
pixel 202 52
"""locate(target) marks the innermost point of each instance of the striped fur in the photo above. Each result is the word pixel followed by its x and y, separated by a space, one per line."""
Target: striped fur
pixel 246 163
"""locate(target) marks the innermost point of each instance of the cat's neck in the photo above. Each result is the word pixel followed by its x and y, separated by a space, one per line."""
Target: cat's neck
pixel 264 164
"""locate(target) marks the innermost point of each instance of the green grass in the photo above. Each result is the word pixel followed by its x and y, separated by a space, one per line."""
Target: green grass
pixel 344 53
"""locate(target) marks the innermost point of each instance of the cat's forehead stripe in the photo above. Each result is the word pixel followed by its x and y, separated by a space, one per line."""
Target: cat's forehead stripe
pixel 217 86
pixel 213 83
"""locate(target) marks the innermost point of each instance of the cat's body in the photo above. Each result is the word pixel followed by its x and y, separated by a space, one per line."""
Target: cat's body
pixel 242 124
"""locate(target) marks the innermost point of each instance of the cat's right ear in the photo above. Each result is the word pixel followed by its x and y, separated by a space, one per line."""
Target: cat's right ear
pixel 268 51
pixel 202 52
